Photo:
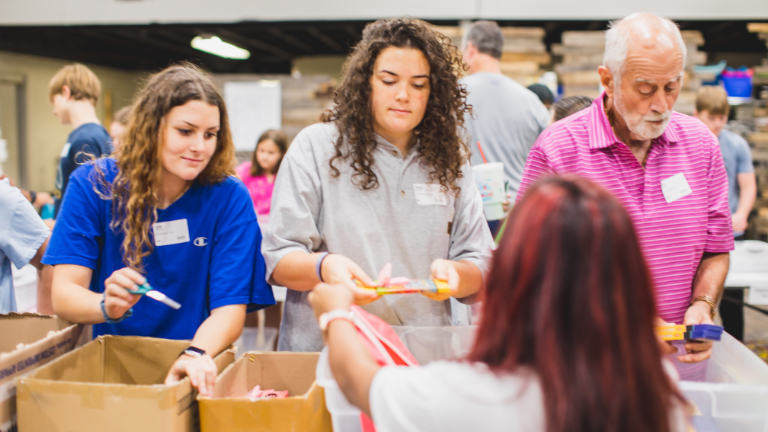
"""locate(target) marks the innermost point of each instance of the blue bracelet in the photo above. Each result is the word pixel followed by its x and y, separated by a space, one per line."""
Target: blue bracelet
pixel 319 265
pixel 109 320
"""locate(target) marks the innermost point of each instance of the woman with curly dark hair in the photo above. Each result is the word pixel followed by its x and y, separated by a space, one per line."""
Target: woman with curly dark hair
pixel 384 179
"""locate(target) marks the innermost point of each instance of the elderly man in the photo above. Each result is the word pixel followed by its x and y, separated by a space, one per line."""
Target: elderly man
pixel 507 117
pixel 665 167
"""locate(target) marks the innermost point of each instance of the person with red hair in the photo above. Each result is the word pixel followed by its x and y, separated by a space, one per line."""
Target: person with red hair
pixel 565 341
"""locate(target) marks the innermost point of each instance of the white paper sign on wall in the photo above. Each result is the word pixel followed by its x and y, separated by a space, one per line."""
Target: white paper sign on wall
pixel 253 107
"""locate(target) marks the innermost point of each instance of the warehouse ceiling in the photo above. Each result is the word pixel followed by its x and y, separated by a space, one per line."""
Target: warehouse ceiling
pixel 273 46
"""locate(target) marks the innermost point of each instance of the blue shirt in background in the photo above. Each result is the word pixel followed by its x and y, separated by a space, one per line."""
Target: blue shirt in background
pixel 87 142
pixel 220 264
pixel 737 157
pixel 22 232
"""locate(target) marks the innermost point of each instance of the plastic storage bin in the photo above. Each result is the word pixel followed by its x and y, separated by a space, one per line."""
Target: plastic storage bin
pixel 425 343
pixel 737 83
pixel 428 344
pixel 345 417
pixel 734 396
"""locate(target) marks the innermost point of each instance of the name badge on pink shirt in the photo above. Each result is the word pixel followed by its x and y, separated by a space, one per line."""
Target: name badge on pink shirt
pixel 675 187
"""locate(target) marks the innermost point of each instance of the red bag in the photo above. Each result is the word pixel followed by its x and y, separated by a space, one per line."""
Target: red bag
pixel 383 344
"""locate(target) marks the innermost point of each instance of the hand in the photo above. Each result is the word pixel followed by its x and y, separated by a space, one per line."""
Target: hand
pixel 5 176
pixel 739 222
pixel 117 299
pixel 42 199
pixel 201 371
pixel 697 313
pixel 325 298
pixel 340 270
pixel 505 204
pixel 666 347
pixel 444 270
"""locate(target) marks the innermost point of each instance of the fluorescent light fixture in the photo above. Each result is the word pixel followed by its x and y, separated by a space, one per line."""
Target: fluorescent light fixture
pixel 216 46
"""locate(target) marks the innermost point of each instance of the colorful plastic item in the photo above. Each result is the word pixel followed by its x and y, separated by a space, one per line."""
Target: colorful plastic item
pixel 152 293
pixel 691 332
pixel 257 393
pixel 402 285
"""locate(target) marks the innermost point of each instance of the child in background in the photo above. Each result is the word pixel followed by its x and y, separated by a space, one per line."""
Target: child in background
pixel 259 174
pixel 73 92
pixel 565 107
pixel 119 125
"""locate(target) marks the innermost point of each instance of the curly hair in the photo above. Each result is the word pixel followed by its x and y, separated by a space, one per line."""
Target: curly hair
pixel 134 191
pixel 441 147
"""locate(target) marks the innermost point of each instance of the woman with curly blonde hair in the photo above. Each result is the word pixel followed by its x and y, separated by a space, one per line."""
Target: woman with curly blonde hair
pixel 165 210
pixel 384 179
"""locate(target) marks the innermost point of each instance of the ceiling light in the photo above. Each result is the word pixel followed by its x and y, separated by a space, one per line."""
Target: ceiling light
pixel 216 46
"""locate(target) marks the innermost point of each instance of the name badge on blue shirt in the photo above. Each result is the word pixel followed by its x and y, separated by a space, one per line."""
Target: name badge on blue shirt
pixel 171 232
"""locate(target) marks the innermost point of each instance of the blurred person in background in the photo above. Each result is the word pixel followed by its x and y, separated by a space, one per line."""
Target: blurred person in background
pixel 259 173
pixel 712 109
pixel 23 240
pixel 543 93
pixel 566 340
pixel 666 168
pixel 119 125
pixel 568 106
pixel 506 117
pixel 73 92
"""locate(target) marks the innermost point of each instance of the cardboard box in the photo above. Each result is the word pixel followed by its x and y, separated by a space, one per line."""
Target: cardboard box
pixel 303 410
pixel 29 341
pixel 111 384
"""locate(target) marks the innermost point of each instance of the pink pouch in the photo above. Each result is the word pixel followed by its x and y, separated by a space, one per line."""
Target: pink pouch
pixel 385 346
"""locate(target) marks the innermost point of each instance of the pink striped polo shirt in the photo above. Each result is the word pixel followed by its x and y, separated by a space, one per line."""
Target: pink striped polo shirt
pixel 673 236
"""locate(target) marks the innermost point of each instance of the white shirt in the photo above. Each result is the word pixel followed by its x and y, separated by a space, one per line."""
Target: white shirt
pixel 461 397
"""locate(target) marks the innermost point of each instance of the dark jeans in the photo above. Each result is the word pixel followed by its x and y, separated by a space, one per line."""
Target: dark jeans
pixel 495 226
pixel 732 313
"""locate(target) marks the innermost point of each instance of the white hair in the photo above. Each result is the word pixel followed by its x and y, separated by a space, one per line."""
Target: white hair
pixel 619 33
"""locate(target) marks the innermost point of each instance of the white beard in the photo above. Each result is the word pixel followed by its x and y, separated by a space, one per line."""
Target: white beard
pixel 640 125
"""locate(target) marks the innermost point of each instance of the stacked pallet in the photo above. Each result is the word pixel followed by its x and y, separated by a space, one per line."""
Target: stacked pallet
pixel 758 139
pixel 524 52
pixel 581 52
pixel 761 72
pixel 686 101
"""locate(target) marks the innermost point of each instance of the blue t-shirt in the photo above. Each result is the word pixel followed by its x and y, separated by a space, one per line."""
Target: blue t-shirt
pixel 87 142
pixel 221 263
pixel 737 157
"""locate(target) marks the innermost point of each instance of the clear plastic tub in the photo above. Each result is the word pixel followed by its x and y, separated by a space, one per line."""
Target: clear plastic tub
pixel 345 417
pixel 734 396
pixel 428 344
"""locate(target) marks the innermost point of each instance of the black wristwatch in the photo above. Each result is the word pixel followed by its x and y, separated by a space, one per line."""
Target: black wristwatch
pixel 193 352
pixel 32 196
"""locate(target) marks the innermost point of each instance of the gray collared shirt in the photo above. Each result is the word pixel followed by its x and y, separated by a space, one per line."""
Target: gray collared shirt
pixel 313 211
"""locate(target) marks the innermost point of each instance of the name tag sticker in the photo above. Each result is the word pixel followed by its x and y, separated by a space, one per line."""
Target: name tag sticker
pixel 170 233
pixel 429 194
pixel 675 188
pixel 65 150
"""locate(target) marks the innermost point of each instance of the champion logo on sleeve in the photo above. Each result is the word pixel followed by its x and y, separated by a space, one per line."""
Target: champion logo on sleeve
pixel 201 241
